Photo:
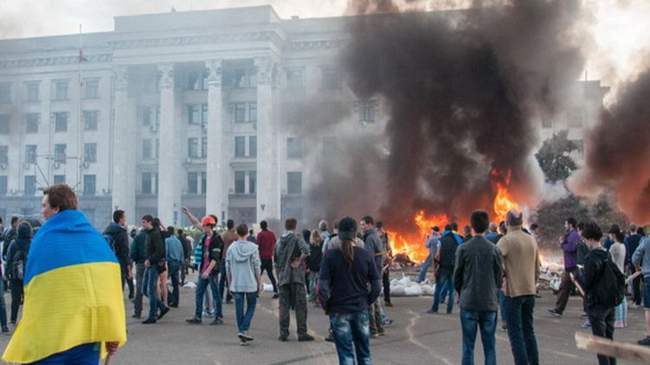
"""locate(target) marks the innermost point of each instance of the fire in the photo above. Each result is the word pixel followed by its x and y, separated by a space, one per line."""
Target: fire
pixel 503 201
pixel 412 243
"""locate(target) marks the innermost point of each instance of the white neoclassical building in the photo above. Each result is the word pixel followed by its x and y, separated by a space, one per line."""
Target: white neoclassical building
pixel 171 110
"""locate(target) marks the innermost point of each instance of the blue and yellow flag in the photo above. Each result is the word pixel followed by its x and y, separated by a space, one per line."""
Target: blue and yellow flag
pixel 73 292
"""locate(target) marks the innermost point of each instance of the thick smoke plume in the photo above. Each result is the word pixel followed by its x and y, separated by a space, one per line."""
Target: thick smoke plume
pixel 618 150
pixel 462 89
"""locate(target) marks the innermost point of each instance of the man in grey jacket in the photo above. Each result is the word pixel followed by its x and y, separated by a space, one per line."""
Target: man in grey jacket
pixel 477 277
pixel 290 254
pixel 641 260
pixel 373 244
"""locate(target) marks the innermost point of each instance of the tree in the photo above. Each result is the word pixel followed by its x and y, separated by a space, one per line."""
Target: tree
pixel 554 157
pixel 551 217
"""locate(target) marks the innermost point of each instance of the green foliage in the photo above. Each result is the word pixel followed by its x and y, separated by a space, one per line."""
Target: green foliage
pixel 551 217
pixel 554 157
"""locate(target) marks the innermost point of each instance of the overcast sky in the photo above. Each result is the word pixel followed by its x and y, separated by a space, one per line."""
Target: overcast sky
pixel 621 27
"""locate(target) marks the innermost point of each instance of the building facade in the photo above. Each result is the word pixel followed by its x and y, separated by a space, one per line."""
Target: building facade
pixel 171 110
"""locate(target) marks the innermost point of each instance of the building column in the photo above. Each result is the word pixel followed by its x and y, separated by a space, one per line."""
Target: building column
pixel 169 160
pixel 268 189
pixel 216 197
pixel 123 149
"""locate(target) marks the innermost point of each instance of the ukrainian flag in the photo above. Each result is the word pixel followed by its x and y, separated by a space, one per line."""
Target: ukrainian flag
pixel 73 292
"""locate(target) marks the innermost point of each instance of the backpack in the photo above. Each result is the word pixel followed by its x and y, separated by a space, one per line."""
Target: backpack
pixel 18 268
pixel 610 290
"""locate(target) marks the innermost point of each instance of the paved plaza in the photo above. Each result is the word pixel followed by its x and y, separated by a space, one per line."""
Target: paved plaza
pixel 415 337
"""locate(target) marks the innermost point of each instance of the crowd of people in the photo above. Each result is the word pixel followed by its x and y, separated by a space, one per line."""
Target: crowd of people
pixel 489 269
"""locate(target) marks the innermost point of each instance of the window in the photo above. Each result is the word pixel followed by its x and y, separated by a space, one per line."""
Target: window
pixel 61 122
pixel 90 152
pixel 151 115
pixel 204 147
pixel 367 111
pixel 194 113
pixel 60 90
pixel 240 112
pixel 4 123
pixel 32 120
pixel 204 182
pixel 294 182
pixel 296 78
pixel 193 147
pixel 32 91
pixel 547 123
pixel 576 118
pixel 30 185
pixel 294 147
pixel 147 149
pixel 242 78
pixel 252 182
pixel 5 93
pixel 240 146
pixel 204 114
pixel 252 112
pixel 30 153
pixel 4 155
pixel 91 88
pixel 252 146
pixel 89 185
pixel 90 119
pixel 157 151
pixel 59 179
pixel 3 185
pixel 147 183
pixel 59 153
pixel 197 81
pixel 240 182
pixel 192 182
pixel 330 79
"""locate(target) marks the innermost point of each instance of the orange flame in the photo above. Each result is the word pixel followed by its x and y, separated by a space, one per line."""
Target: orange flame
pixel 503 201
pixel 412 243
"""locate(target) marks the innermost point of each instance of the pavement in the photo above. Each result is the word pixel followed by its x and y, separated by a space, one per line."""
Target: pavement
pixel 414 338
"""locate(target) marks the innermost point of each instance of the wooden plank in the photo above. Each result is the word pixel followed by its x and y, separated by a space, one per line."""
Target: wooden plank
pixel 619 350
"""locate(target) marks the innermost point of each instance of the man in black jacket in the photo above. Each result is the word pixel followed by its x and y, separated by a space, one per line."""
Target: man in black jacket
pixel 118 239
pixel 154 265
pixel 444 260
pixel 477 277
pixel 139 256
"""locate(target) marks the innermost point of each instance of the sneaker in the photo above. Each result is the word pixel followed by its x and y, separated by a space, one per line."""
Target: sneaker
pixel 329 338
pixel 217 321
pixel 194 320
pixel 242 342
pixel 136 316
pixel 305 338
pixel 149 321
pixel 276 296
pixel 163 312
pixel 587 324
pixel 431 311
pixel 245 337
pixel 644 342
pixel 388 304
pixel 283 338
pixel 554 313
pixel 381 333
pixel 5 329
pixel 388 322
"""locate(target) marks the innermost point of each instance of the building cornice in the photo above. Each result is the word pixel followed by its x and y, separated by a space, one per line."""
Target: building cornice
pixel 54 61
pixel 196 39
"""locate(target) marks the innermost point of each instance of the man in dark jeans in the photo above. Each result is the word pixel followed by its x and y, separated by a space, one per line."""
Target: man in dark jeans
pixel 631 243
pixel 138 256
pixel 521 266
pixel 444 262
pixel 569 244
pixel 601 316
pixel 228 237
pixel 266 244
pixel 154 265
pixel 478 275
pixel 175 258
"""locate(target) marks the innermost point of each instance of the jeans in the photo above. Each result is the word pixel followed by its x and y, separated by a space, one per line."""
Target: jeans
pixel 293 296
pixel 487 323
pixel 173 268
pixel 139 286
pixel 444 280
pixel 151 276
pixel 351 331
pixel 386 284
pixel 519 317
pixel 501 297
pixel 17 294
pixel 86 354
pixel 267 265
pixel 223 283
pixel 424 269
pixel 376 320
pixel 312 281
pixel 602 325
pixel 201 286
pixel 244 319
pixel 3 306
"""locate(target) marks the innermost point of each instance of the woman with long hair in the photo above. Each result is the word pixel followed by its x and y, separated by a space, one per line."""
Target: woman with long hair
pixel 349 284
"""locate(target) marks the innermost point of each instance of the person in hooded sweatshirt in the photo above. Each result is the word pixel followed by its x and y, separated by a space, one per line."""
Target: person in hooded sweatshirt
pixel 243 267
pixel 16 263
pixel 119 241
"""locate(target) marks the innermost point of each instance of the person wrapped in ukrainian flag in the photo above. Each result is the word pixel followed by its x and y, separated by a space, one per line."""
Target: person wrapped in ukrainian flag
pixel 73 307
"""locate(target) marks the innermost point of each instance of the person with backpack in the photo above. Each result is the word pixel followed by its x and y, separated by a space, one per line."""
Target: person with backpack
pixel 444 261
pixel 118 240
pixel 604 287
pixel 641 262
pixel 243 268
pixel 16 264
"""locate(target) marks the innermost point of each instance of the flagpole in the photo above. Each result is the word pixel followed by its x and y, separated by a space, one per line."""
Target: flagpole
pixel 79 116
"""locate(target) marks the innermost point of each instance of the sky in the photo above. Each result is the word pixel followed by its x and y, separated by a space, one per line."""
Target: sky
pixel 620 27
